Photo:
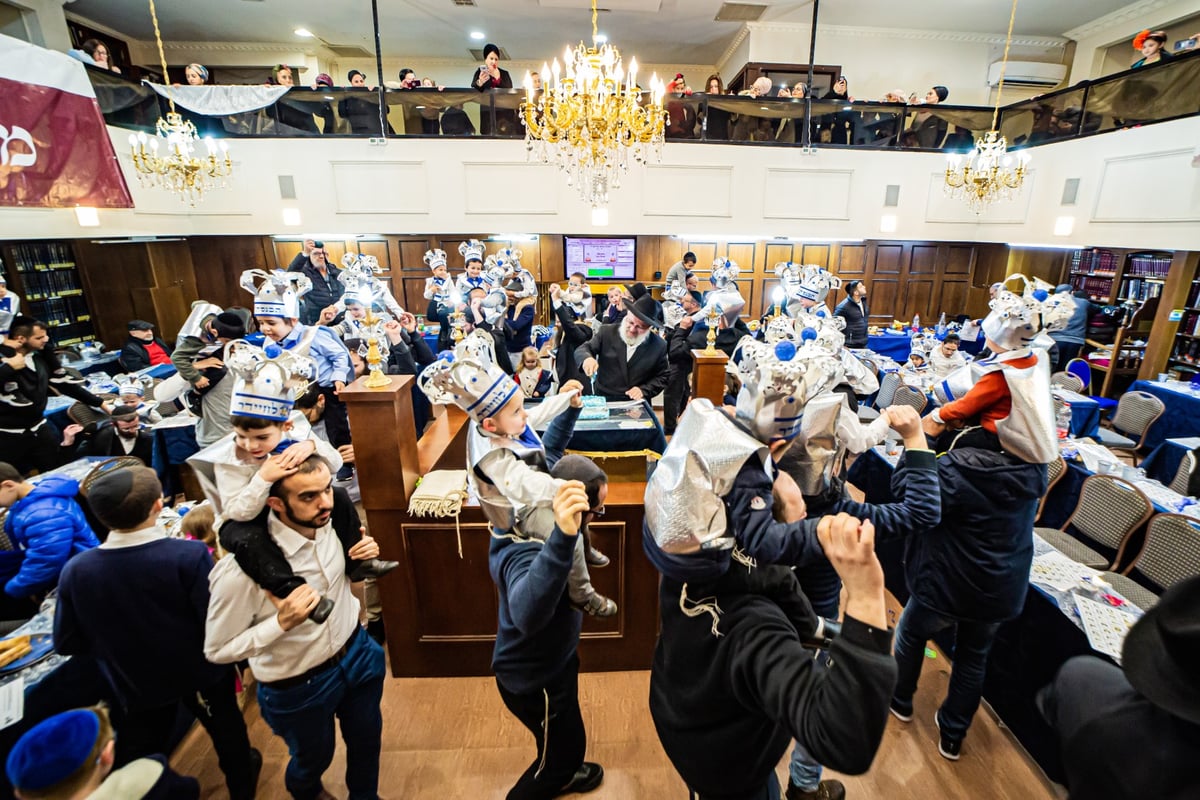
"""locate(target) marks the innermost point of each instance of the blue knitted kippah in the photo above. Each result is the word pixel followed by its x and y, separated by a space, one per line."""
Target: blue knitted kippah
pixel 53 750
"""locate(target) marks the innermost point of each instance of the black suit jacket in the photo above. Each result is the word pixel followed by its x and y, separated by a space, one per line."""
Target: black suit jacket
pixel 856 321
pixel 572 333
pixel 104 443
pixel 647 369
pixel 135 356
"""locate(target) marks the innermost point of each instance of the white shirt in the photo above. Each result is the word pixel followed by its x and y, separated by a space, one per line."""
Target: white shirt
pixel 942 365
pixel 118 539
pixel 243 622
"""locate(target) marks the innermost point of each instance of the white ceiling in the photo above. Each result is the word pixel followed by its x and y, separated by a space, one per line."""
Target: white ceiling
pixel 660 31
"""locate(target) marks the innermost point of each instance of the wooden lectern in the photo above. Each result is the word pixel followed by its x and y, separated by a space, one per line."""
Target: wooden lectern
pixel 708 376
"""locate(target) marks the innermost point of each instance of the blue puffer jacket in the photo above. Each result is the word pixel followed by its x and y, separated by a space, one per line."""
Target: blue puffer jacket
pixel 975 564
pixel 49 527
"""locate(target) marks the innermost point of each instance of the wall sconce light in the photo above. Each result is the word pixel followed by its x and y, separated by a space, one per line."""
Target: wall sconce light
pixel 291 217
pixel 887 223
pixel 1064 226
pixel 87 216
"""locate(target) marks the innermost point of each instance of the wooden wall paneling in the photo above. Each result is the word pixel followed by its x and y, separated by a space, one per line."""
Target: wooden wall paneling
pixel 918 299
pixel 889 258
pixel 960 259
pixel 410 281
pixel 553 259
pixel 109 272
pixel 851 263
pixel 285 250
pixel 173 287
pixel 923 260
pixel 219 261
pixel 1185 267
pixel 378 248
pixel 883 299
pixel 743 254
pixel 815 254
pixel 954 298
pixel 706 253
pixel 776 253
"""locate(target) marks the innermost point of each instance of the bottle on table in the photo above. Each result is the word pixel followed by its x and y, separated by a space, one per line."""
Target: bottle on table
pixel 1062 420
pixel 916 323
pixel 941 326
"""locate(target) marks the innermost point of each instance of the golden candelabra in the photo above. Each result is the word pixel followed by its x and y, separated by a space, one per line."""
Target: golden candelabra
pixel 592 120
pixel 457 320
pixel 177 168
pixel 372 327
pixel 712 316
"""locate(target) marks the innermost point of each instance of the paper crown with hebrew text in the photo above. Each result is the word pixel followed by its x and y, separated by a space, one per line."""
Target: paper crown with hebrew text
pixel 815 283
pixel 1018 320
pixel 267 380
pixel 276 293
pixel 469 378
pixel 359 280
pixel 470 250
pixel 435 258
pixel 778 380
pixel 724 273
pixel 133 384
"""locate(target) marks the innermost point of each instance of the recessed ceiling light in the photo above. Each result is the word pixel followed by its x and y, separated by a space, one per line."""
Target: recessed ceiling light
pixel 478 35
pixel 305 32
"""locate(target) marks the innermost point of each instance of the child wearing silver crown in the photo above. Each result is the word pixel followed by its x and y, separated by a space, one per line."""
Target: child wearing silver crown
pixel 268 442
pixel 508 463
pixel 1003 403
pixel 132 392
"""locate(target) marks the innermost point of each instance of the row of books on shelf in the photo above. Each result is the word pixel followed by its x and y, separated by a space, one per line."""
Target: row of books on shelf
pixel 1139 289
pixel 1186 351
pixel 1190 323
pixel 40 285
pixel 1095 261
pixel 41 257
pixel 1193 300
pixel 1150 265
pixel 57 311
pixel 1095 287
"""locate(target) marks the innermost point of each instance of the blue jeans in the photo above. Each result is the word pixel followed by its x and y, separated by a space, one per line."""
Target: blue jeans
pixel 972 642
pixel 303 717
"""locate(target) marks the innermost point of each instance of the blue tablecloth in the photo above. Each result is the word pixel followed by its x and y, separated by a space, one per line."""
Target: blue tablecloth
pixel 1163 462
pixel 1181 417
pixel 1085 414
pixel 897 346
pixel 626 430
pixel 106 362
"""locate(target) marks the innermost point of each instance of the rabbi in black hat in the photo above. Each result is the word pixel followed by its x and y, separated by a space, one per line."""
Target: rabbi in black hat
pixel 1134 733
pixel 627 360
pixel 143 349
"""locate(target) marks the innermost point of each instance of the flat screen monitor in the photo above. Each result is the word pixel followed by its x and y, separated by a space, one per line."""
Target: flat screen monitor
pixel 611 259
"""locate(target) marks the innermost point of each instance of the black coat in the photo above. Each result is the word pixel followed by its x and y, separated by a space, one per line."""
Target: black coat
pixel 506 119
pixel 326 290
pixel 105 442
pixel 572 333
pixel 135 356
pixel 647 369
pixel 727 338
pixel 856 321
pixel 975 564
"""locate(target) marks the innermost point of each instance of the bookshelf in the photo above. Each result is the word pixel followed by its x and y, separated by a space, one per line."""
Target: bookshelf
pixel 1185 355
pixel 1097 271
pixel 46 277
pixel 1144 275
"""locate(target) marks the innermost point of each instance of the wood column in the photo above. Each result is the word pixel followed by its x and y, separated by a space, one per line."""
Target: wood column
pixel 708 376
pixel 1185 267
pixel 385 441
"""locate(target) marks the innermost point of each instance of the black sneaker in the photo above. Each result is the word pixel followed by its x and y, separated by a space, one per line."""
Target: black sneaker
pixel 372 568
pixel 248 792
pixel 826 790
pixel 949 748
pixel 345 473
pixel 904 713
pixel 587 778
pixel 322 611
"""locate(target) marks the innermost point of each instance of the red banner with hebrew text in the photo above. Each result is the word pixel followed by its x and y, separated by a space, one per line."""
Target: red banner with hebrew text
pixel 55 151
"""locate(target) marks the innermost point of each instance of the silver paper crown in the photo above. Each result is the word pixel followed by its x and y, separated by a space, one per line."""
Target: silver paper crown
pixel 470 250
pixel 133 384
pixel 1017 320
pixel 494 305
pixel 816 282
pixel 267 380
pixel 578 299
pixel 469 378
pixel 435 258
pixel 279 293
pixel 724 273
pixel 777 381
pixel 194 324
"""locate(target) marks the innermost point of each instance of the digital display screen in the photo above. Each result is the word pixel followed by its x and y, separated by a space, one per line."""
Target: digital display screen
pixel 601 259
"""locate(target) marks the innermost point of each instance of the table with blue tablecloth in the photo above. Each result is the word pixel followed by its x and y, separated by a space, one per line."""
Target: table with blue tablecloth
pixel 1085 413
pixel 1182 415
pixel 105 361
pixel 896 345
pixel 632 426
pixel 1163 462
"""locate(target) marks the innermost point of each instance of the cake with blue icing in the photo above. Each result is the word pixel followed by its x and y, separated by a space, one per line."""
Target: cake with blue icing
pixel 594 407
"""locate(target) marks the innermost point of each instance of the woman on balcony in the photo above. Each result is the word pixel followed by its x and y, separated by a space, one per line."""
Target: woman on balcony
pixel 491 76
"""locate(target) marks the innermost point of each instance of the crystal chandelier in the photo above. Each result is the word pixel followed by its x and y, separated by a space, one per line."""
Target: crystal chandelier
pixel 989 172
pixel 168 160
pixel 592 121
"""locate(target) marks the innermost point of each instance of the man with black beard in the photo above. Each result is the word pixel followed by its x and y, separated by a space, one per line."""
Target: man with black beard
pixel 626 360
pixel 124 437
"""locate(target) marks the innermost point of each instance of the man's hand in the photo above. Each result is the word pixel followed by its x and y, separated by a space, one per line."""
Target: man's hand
pixel 309 244
pixel 577 388
pixel 393 331
pixel 789 500
pixel 201 383
pixel 590 366
pixel 634 393
pixel 569 505
pixel 408 322
pixel 295 454
pixel 346 451
pixel 296 607
pixel 932 427
pixel 273 469
pixel 16 361
pixel 850 547
pixel 69 434
pixel 338 386
pixel 555 291
pixel 907 422
pixel 364 549
pixel 686 323
pixel 327 315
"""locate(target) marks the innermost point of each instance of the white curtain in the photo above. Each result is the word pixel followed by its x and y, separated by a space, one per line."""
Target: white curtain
pixel 221 101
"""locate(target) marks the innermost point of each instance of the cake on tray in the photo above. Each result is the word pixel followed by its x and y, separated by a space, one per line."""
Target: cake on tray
pixel 594 407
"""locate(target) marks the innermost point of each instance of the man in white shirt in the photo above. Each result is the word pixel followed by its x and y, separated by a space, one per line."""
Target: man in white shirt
pixel 307 673
pixel 946 357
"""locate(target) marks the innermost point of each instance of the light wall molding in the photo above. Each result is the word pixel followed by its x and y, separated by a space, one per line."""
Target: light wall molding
pixel 860 32
pixel 1130 13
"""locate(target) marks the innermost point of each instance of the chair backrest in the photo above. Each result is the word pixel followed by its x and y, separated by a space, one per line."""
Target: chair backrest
pixel 908 396
pixel 1109 511
pixel 1067 381
pixel 887 389
pixel 1172 550
pixel 1055 470
pixel 1080 369
pixel 1179 484
pixel 85 415
pixel 1136 412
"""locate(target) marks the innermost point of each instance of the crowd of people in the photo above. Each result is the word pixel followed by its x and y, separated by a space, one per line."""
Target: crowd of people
pixel 773 628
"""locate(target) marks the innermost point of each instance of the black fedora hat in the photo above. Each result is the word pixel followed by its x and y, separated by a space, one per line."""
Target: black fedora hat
pixel 645 309
pixel 1161 654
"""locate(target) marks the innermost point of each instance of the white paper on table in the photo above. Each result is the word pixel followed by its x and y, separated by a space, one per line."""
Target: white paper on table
pixel 1106 627
pixel 1055 570
pixel 12 702
pixel 1190 442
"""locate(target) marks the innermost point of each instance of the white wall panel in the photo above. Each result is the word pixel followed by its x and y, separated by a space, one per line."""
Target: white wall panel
pixel 508 188
pixel 380 187
pixel 687 191
pixel 941 207
pixel 1149 187
pixel 807 193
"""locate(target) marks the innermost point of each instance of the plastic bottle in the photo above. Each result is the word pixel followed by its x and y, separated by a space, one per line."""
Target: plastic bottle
pixel 1062 420
pixel 916 323
pixel 941 325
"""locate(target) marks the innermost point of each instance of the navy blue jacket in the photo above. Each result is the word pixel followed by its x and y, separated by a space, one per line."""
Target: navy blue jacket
pixel 857 321
pixel 975 564
pixel 48 526
pixel 518 328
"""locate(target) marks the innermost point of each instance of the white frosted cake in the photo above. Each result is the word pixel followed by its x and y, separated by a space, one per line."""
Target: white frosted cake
pixel 594 407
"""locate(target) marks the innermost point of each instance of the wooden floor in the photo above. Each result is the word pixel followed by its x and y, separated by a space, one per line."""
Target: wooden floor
pixel 449 738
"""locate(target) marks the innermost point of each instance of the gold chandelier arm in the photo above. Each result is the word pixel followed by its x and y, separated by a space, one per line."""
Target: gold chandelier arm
pixel 1003 64
pixel 162 56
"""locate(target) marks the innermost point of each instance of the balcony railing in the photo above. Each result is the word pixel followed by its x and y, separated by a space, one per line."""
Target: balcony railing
pixel 1158 93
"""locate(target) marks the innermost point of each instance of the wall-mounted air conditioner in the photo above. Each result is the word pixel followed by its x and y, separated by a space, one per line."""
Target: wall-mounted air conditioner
pixel 1028 73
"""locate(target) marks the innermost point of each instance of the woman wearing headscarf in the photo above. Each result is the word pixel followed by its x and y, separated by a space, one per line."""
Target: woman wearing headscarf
pixel 842 124
pixel 930 129
pixel 491 76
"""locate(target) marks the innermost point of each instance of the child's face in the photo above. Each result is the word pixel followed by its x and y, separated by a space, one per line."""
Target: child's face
pixel 510 420
pixel 440 271
pixel 259 442
pixel 131 399
pixel 530 361
pixel 275 328
pixel 474 268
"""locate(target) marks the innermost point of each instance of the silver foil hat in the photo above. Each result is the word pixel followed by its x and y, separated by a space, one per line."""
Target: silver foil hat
pixel 685 512
pixel 268 379
pixel 777 382
pixel 494 305
pixel 724 274
pixel 727 302
pixel 194 324
pixel 672 304
pixel 469 378
pixel 278 294
pixel 470 250
pixel 1017 320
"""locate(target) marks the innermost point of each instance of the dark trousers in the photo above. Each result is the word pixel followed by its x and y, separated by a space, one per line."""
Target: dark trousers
pixel 337 423
pixel 303 716
pixel 972 642
pixel 260 557
pixel 32 449
pixel 675 396
pixel 1066 352
pixel 552 715
pixel 770 791
pixel 145 732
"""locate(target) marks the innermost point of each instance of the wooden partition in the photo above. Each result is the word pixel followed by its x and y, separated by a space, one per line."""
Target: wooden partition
pixel 441 610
